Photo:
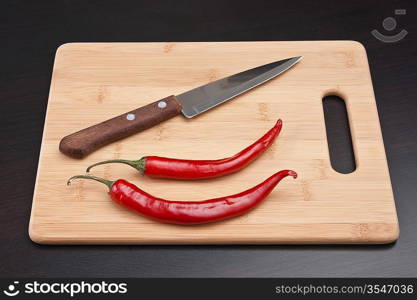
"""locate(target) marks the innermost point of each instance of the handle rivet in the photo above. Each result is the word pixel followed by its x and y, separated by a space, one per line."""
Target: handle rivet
pixel 130 117
pixel 162 104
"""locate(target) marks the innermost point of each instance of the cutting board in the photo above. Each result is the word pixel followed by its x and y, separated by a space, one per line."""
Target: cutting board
pixel 92 82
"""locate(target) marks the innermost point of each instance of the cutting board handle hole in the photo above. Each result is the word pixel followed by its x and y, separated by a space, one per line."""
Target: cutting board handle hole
pixel 339 138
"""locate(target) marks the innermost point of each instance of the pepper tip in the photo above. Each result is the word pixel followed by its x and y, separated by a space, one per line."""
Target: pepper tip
pixel 293 174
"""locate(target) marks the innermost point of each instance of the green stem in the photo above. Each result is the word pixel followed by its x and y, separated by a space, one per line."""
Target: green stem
pixel 137 164
pixel 109 183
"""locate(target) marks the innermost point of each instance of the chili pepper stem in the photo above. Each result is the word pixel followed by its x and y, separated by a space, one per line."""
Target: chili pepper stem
pixel 109 183
pixel 137 164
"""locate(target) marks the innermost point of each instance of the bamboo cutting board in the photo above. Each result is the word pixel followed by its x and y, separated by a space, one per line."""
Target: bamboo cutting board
pixel 92 82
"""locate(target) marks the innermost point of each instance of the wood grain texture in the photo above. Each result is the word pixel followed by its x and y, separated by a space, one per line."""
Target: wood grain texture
pixel 85 141
pixel 95 81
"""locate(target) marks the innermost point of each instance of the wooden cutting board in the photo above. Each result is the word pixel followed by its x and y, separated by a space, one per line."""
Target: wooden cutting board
pixel 92 82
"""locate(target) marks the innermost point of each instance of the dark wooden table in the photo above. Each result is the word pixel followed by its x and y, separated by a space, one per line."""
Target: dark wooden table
pixel 30 32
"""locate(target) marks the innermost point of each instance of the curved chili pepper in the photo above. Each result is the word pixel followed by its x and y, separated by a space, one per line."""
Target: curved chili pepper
pixel 189 212
pixel 162 167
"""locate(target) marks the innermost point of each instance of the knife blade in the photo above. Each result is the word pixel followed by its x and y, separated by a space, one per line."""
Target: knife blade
pixel 201 99
pixel 189 104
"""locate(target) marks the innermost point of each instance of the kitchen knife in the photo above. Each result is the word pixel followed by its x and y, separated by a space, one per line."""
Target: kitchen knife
pixel 190 104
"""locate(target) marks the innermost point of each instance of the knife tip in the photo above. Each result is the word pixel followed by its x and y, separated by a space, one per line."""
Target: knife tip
pixel 297 58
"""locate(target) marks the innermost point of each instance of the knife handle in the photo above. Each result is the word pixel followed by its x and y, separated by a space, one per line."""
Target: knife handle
pixel 85 141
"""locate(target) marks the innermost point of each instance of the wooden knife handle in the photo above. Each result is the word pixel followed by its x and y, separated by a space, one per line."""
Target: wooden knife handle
pixel 83 142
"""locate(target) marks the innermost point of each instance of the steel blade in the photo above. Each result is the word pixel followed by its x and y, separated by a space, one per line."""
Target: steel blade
pixel 201 99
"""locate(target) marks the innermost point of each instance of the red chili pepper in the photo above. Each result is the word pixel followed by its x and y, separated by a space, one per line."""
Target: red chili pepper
pixel 189 212
pixel 162 167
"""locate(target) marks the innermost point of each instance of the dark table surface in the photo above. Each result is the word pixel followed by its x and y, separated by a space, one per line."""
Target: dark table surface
pixel 30 32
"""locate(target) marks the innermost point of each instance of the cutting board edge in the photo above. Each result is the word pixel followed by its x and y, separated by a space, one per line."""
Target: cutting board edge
pixel 69 44
pixel 389 235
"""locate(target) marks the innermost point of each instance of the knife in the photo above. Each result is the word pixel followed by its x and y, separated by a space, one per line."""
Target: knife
pixel 189 104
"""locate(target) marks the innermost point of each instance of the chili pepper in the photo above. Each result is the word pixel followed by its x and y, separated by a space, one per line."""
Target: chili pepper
pixel 162 167
pixel 189 212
